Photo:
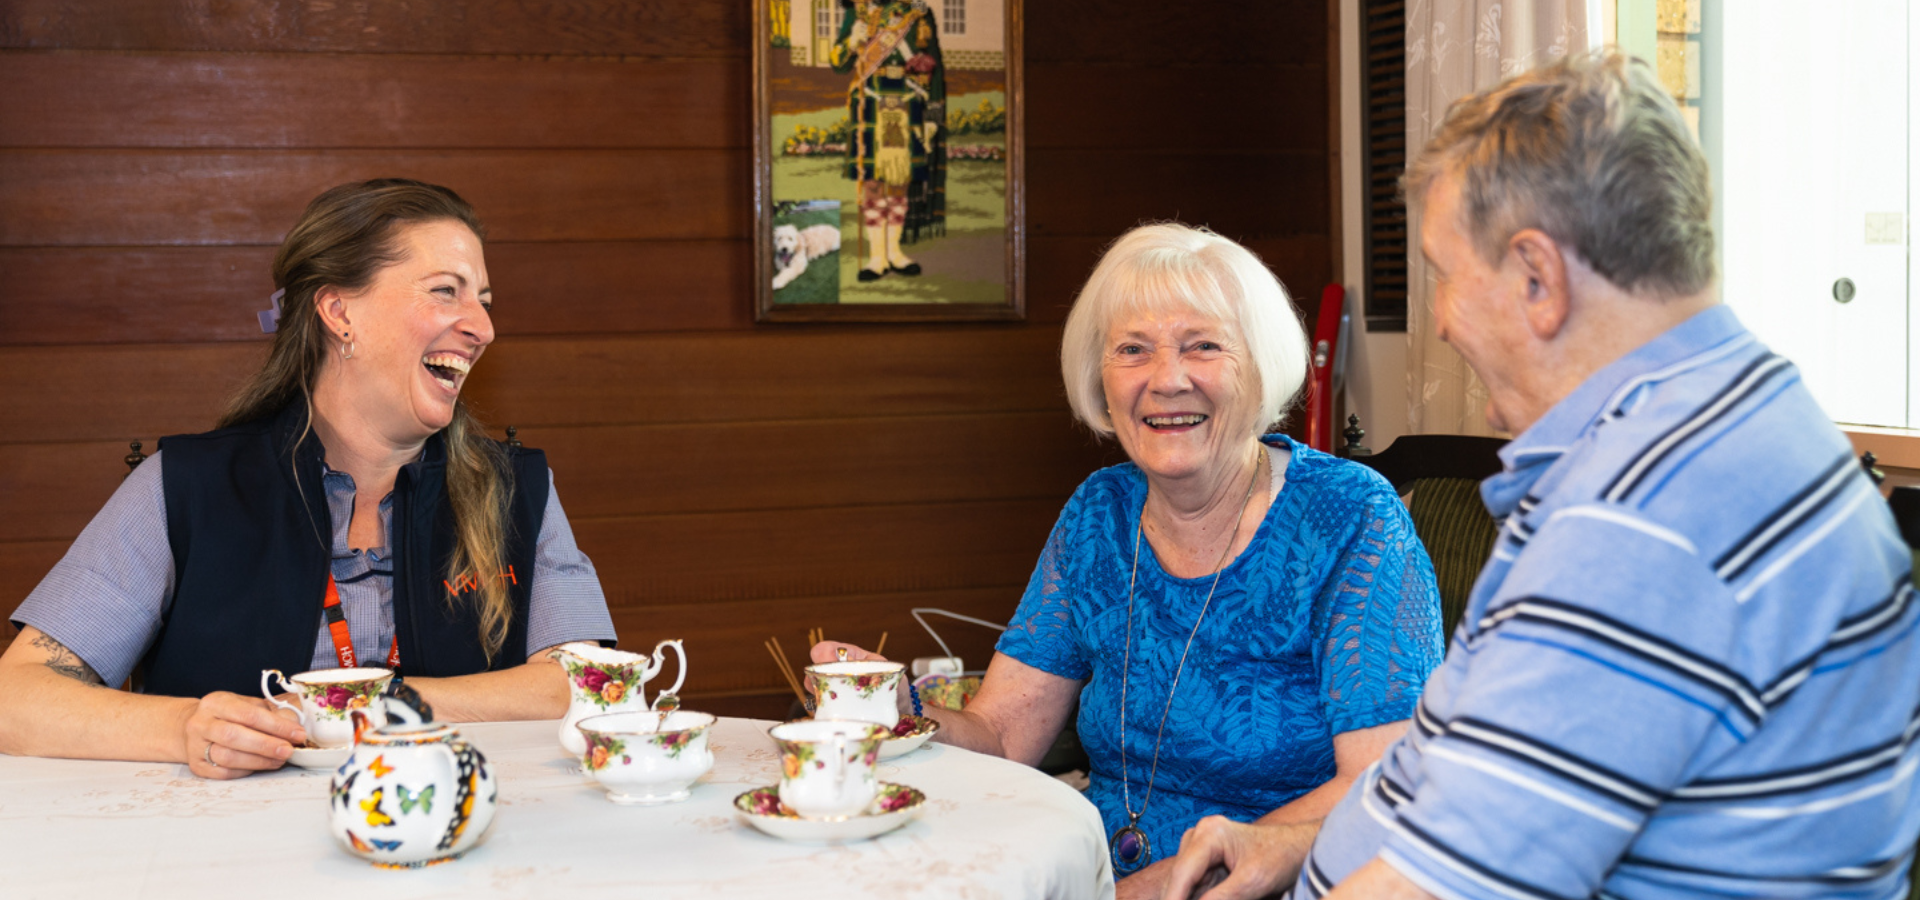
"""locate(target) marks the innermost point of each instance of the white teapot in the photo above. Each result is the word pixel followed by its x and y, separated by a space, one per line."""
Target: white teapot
pixel 605 681
pixel 412 794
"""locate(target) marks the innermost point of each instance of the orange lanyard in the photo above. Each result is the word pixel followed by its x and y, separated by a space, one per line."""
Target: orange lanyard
pixel 342 640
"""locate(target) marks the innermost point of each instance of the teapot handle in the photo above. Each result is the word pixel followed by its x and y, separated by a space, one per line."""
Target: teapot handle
pixel 659 653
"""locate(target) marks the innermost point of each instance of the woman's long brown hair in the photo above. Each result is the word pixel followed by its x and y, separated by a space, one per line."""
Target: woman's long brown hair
pixel 345 237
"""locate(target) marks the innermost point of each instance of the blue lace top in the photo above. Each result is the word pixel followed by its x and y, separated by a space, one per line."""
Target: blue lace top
pixel 1328 622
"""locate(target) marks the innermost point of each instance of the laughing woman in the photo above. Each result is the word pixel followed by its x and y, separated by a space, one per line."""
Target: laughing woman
pixel 1246 622
pixel 348 468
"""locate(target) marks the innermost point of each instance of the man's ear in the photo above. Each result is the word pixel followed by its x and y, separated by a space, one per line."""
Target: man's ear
pixel 1539 259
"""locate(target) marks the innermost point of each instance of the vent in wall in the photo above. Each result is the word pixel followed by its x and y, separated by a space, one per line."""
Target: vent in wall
pixel 1383 135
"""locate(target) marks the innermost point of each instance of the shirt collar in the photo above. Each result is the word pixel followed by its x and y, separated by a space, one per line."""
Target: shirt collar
pixel 1618 385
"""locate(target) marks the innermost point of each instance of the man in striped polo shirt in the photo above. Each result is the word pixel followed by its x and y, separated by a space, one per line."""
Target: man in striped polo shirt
pixel 1690 667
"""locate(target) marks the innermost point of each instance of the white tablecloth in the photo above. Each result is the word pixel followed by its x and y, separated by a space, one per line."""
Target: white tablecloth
pixel 71 829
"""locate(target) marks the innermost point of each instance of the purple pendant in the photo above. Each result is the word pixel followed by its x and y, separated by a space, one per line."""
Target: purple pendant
pixel 1131 849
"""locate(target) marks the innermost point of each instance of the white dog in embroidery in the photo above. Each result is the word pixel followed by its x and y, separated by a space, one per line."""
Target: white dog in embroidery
pixel 794 248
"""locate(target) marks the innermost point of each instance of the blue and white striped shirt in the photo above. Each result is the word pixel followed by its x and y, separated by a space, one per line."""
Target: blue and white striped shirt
pixel 1689 668
pixel 106 598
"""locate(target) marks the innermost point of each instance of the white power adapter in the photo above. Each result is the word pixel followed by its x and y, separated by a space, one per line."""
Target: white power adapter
pixel 937 665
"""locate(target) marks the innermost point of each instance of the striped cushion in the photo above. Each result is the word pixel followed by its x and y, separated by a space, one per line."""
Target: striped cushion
pixel 1454 524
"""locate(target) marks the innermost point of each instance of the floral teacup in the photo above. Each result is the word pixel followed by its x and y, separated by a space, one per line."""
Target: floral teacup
pixel 647 757
pixel 328 698
pixel 826 767
pixel 866 691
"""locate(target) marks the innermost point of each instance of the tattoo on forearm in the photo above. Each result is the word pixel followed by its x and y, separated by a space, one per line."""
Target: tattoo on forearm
pixel 64 662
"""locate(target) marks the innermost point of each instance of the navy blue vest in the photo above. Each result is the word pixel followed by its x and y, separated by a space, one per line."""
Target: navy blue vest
pixel 252 542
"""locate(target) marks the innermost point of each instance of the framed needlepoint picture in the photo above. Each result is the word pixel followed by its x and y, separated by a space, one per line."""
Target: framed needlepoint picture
pixel 887 160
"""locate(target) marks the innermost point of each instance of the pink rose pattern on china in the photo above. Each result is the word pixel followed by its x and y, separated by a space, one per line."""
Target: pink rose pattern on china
pixel 336 700
pixel 675 741
pixel 865 684
pixel 765 801
pixel 604 686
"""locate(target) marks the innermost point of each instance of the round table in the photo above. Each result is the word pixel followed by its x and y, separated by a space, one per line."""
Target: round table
pixel 991 828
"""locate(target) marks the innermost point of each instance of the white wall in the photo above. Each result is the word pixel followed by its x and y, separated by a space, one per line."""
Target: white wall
pixel 1377 363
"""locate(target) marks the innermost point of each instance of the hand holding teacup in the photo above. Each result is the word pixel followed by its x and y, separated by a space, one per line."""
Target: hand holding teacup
pixel 328 698
pixel 226 735
pixel 837 666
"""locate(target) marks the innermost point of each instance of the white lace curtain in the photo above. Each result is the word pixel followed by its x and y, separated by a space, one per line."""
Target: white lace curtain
pixel 1454 48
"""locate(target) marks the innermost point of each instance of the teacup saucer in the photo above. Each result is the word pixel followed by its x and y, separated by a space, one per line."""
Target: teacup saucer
pixel 923 730
pixel 320 757
pixel 895 806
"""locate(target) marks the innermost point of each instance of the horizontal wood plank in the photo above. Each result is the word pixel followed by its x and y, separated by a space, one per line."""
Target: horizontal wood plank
pixel 314 100
pixel 645 561
pixel 22 565
pixel 112 392
pixel 1072 192
pixel 1277 107
pixel 79 295
pixel 640 470
pixel 53 490
pixel 645 27
pixel 1159 35
pixel 169 197
pixel 1058 267
pixel 725 642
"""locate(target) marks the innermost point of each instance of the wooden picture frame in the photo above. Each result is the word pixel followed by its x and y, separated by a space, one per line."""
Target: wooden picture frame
pixel 924 259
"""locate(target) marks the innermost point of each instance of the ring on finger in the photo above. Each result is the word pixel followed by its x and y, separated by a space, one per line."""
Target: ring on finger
pixel 207 755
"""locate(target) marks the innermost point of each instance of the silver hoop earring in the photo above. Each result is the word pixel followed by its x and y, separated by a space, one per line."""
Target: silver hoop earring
pixel 346 349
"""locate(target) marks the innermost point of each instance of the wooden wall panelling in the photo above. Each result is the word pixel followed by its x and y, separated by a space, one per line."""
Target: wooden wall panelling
pixel 121 295
pixel 1232 193
pixel 312 100
pixel 1060 266
pixel 198 294
pixel 105 392
pixel 1255 108
pixel 730 481
pixel 378 26
pixel 642 470
pixel 59 486
pixel 645 561
pixel 173 197
pixel 1149 34
pixel 648 469
pixel 22 565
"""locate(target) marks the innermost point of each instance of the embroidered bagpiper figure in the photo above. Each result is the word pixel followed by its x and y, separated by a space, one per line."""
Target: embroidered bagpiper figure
pixel 897 103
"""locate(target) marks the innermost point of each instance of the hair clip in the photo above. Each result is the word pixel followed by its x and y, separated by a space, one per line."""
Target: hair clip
pixel 270 318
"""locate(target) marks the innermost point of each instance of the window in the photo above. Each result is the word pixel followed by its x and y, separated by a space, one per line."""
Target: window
pixel 826 19
pixel 953 17
pixel 1807 113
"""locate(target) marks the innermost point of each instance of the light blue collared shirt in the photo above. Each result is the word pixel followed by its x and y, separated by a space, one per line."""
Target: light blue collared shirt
pixel 1689 668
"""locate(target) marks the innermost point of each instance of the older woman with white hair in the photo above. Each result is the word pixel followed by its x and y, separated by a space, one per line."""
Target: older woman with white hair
pixel 1247 622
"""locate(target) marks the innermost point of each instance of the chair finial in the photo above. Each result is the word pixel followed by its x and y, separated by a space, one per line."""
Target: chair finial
pixel 1867 461
pixel 134 459
pixel 512 437
pixel 1353 434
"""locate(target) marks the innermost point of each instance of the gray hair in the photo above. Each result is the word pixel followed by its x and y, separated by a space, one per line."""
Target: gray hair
pixel 1155 268
pixel 1592 151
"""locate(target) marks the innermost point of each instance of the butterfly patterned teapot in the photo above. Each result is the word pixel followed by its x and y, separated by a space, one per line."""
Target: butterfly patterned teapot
pixel 413 793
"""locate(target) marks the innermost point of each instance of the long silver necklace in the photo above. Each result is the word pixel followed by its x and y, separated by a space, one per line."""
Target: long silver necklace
pixel 1131 849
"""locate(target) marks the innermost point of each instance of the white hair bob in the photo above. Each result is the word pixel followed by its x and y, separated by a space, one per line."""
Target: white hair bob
pixel 1162 267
